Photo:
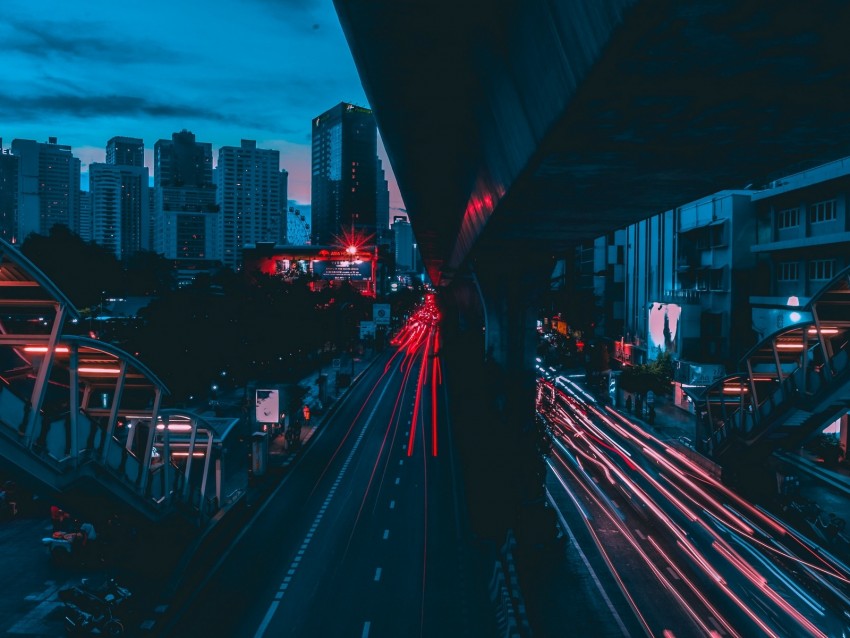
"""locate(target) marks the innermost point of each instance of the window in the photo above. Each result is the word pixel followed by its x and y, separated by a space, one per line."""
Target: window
pixel 822 212
pixel 821 269
pixel 788 218
pixel 788 271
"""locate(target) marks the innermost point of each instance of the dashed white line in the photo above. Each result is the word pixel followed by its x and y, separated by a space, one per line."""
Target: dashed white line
pixel 386 534
pixel 401 461
pixel 377 574
pixel 392 505
pixel 397 481
pixel 366 626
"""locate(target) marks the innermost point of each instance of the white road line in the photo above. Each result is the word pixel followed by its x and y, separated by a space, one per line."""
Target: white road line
pixel 386 534
pixel 586 562
pixel 267 619
pixel 401 461
pixel 377 574
pixel 640 533
pixel 296 561
pixel 366 626
pixel 392 505
pixel 397 481
pixel 278 595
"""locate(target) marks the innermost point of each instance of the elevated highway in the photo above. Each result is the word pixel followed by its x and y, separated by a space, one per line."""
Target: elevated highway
pixel 518 128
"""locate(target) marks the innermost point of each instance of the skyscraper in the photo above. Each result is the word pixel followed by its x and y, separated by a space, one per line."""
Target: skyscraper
pixel 119 207
pixel 344 173
pixel 8 195
pixel 284 205
pixel 382 204
pixel 248 180
pixel 118 198
pixel 185 209
pixel 48 186
pixel 125 151
pixel 405 255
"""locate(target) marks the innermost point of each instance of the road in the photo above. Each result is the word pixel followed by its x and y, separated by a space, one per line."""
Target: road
pixel 365 535
pixel 720 565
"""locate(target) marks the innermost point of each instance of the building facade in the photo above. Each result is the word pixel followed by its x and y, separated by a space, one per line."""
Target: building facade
pixel 248 181
pixel 48 186
pixel 802 241
pixel 119 207
pixel 344 170
pixel 186 217
pixel 8 195
pixel 403 246
pixel 125 151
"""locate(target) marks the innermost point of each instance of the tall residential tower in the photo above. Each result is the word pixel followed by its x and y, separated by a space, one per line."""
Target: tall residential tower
pixel 249 181
pixel 185 208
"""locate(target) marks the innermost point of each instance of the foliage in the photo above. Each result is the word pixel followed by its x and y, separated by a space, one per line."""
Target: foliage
pixel 246 328
pixel 656 376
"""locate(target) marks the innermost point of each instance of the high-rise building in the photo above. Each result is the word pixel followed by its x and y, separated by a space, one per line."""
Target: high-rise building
pixel 48 186
pixel 284 205
pixel 119 199
pixel 185 208
pixel 85 224
pixel 344 173
pixel 405 256
pixel 248 180
pixel 382 204
pixel 8 194
pixel 119 207
pixel 125 151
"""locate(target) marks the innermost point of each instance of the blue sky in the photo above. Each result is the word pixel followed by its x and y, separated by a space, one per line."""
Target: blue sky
pixel 226 70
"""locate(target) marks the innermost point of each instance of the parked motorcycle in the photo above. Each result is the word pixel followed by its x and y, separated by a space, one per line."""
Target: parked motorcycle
pixel 94 610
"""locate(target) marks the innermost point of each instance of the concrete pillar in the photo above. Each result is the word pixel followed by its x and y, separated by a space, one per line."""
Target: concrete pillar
pixel 844 435
pixel 491 351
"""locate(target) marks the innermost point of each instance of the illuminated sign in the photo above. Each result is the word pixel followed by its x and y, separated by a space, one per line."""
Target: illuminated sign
pixel 381 314
pixel 343 270
pixel 663 328
pixel 267 406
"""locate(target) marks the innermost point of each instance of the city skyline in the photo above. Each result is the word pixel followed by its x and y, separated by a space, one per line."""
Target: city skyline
pixel 148 71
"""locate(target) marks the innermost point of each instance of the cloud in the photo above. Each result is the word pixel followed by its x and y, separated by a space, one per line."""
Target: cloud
pixel 79 40
pixel 19 108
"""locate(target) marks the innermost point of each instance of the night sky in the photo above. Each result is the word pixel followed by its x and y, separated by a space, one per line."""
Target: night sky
pixel 224 69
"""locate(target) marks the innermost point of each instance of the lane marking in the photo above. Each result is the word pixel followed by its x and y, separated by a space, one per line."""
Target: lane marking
pixel 322 510
pixel 366 626
pixel 386 534
pixel 377 574
pixel 392 505
pixel 267 619
pixel 401 461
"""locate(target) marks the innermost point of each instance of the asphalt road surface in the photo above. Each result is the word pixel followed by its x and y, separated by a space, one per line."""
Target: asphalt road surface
pixel 364 537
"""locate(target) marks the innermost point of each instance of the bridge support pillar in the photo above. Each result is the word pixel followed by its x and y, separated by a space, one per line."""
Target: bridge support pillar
pixel 490 355
pixel 844 435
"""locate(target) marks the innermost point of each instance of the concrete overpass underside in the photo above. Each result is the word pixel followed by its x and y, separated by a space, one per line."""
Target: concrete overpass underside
pixel 546 122
pixel 517 128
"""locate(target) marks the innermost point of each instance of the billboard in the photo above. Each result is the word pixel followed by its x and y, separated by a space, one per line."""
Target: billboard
pixel 343 270
pixel 381 314
pixel 663 329
pixel 267 406
pixel 367 329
